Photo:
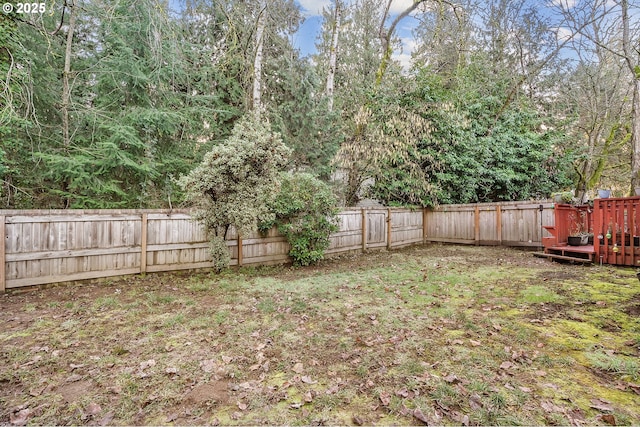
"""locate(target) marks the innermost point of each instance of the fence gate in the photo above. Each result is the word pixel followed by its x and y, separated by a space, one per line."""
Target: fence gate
pixel 376 228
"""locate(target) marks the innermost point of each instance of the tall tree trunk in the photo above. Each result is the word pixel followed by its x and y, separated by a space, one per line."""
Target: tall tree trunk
pixel 257 63
pixel 66 89
pixel 386 34
pixel 635 107
pixel 333 55
pixel 635 134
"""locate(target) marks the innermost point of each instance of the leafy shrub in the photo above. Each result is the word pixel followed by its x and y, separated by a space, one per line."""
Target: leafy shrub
pixel 236 183
pixel 219 253
pixel 305 213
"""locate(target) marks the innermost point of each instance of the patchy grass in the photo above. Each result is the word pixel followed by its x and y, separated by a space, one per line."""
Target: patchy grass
pixel 434 334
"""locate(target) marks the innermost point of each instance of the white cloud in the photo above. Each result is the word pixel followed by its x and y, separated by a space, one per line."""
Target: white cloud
pixel 564 4
pixel 563 34
pixel 409 44
pixel 399 6
pixel 404 59
pixel 314 7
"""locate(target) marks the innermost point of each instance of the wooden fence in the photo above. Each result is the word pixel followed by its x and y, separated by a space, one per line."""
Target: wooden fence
pixel 67 245
pixel 507 223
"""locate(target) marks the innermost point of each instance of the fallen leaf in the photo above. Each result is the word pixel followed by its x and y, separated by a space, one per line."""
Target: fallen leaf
pixel 107 419
pixel 254 367
pixel 307 380
pixel 332 390
pixel 635 387
pixel 35 392
pixel 298 368
pixel 147 364
pixel 208 365
pixel 74 378
pixel 171 371
pixel 242 406
pixel 506 365
pixel 525 389
pixel 286 385
pixel 475 402
pixel 357 420
pixel 227 359
pixel 385 398
pixel 609 419
pixel 419 415
pixel 93 409
pixel 550 406
pixel 475 343
pixel 601 405
pixel 172 417
pixel 19 418
pixel 402 393
pixel 308 397
pixel 451 379
pixel 296 405
pixel 541 373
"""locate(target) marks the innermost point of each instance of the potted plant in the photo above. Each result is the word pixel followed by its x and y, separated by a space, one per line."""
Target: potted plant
pixel 562 197
pixel 578 235
pixel 578 239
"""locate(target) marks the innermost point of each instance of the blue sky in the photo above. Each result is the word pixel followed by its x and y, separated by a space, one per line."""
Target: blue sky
pixel 307 35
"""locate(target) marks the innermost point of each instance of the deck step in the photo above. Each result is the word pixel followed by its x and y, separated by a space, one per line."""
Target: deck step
pixel 563 257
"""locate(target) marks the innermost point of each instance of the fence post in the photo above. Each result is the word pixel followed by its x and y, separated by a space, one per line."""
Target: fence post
pixel 388 228
pixel 143 244
pixel 239 250
pixel 499 223
pixel 476 225
pixel 424 225
pixel 364 230
pixel 3 243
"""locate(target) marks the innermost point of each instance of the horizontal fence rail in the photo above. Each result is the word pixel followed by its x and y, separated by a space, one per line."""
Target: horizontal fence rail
pixel 50 246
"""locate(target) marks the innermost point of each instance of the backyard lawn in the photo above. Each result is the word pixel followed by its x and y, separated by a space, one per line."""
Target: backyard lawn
pixel 425 335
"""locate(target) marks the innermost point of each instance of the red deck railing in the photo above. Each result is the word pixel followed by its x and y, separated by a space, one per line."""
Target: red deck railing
pixel 616 228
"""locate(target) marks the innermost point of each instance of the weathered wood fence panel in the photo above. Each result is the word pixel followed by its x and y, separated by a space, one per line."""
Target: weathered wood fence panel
pixel 66 245
pixel 349 235
pixel 507 223
pixel 406 227
pixel 451 224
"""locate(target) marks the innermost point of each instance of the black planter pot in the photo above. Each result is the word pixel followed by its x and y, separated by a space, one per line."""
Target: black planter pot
pixel 574 240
